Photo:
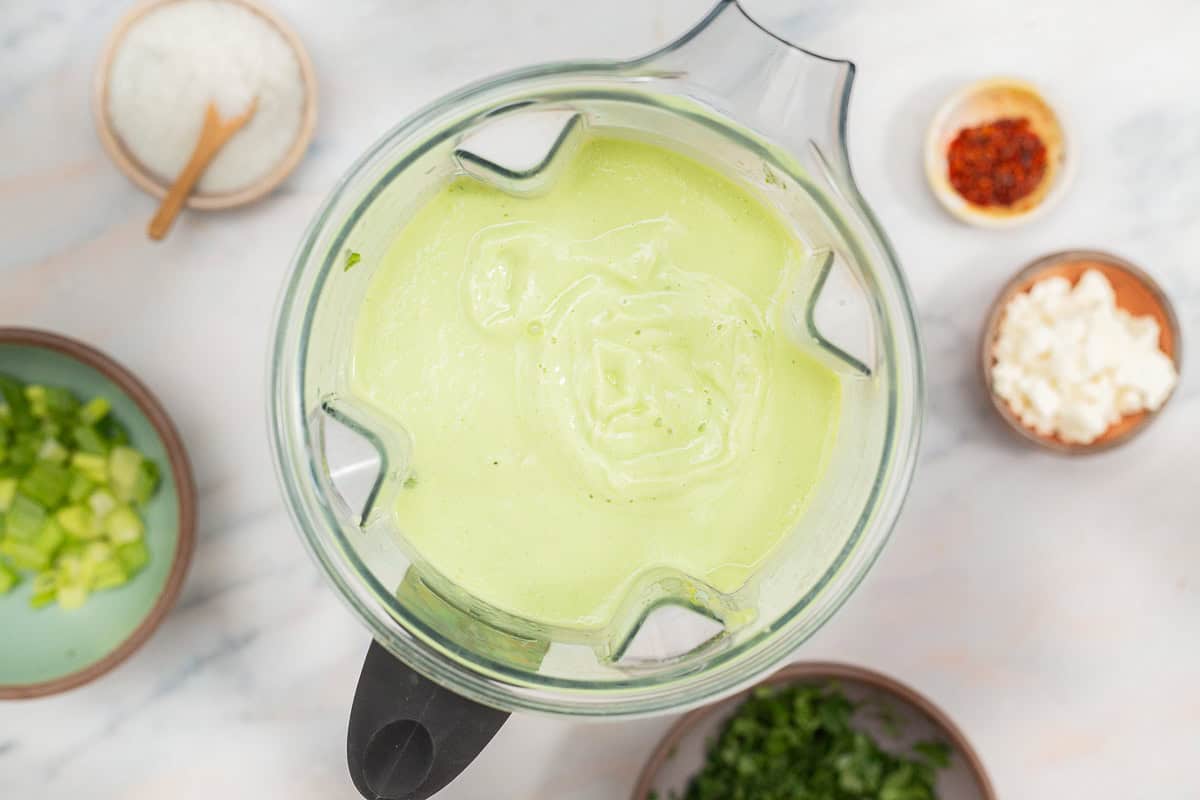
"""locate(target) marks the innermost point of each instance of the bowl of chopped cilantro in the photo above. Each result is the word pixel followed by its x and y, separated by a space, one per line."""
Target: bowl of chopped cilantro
pixel 97 513
pixel 817 731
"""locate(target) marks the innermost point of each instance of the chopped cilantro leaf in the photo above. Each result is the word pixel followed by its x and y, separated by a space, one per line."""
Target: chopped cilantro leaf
pixel 801 742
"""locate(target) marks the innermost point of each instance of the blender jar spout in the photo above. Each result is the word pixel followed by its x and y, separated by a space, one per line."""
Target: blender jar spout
pixel 734 64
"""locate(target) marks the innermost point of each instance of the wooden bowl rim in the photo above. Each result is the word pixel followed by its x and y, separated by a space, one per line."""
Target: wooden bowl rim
pixel 147 181
pixel 185 490
pixel 808 672
pixel 991 327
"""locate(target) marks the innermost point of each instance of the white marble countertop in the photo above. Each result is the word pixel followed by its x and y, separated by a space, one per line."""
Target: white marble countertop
pixel 1050 605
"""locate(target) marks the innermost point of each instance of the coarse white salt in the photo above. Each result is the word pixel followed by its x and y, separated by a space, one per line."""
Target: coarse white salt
pixel 180 56
pixel 1070 362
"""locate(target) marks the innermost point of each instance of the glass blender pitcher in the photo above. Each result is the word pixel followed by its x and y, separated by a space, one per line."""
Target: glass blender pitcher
pixel 445 668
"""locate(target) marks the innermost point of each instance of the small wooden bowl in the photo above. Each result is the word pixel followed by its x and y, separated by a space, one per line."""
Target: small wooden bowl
pixel 47 651
pixel 987 101
pixel 1136 292
pixel 680 754
pixel 159 185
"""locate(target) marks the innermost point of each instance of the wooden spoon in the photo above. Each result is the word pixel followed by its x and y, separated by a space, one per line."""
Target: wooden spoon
pixel 215 134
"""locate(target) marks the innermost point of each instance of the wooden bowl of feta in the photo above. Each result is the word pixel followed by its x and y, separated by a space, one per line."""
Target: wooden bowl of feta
pixel 1080 351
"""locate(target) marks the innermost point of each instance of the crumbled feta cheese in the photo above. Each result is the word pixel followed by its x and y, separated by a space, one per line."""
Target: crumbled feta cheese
pixel 1069 362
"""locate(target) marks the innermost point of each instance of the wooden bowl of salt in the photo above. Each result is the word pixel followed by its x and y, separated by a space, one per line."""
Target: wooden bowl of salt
pixel 167 59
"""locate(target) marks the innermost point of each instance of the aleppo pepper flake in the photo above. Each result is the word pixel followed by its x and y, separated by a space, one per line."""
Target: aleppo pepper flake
pixel 998 163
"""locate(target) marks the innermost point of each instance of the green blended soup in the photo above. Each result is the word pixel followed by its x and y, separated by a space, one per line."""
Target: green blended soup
pixel 598 383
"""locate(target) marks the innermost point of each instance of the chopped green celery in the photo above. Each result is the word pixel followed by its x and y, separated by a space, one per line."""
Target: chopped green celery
pixel 108 574
pixel 8 579
pixel 18 406
pixel 72 596
pixel 24 555
pixel 133 555
pixel 146 482
pixel 123 466
pixel 93 466
pixel 79 522
pixel 94 410
pixel 72 565
pixel 112 430
pixel 8 491
pixel 36 395
pixel 70 485
pixel 47 483
pixel 53 450
pixel 80 488
pixel 89 440
pixel 51 538
pixel 24 519
pixel 61 403
pixel 96 552
pixel 45 587
pixel 79 568
pixel 72 549
pixel 123 526
pixel 102 503
pixel 24 450
pixel 75 572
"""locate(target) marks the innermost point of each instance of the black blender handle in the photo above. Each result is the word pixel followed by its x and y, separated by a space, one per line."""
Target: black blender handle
pixel 409 737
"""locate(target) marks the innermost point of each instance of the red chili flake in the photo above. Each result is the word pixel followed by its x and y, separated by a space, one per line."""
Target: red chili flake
pixel 998 163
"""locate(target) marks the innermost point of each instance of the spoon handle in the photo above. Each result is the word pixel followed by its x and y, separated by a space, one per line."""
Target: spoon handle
pixel 212 138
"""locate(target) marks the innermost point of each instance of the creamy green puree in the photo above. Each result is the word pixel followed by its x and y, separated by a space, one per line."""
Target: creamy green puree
pixel 597 382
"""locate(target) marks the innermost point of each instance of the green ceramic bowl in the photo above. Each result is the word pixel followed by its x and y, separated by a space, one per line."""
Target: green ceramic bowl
pixel 49 650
